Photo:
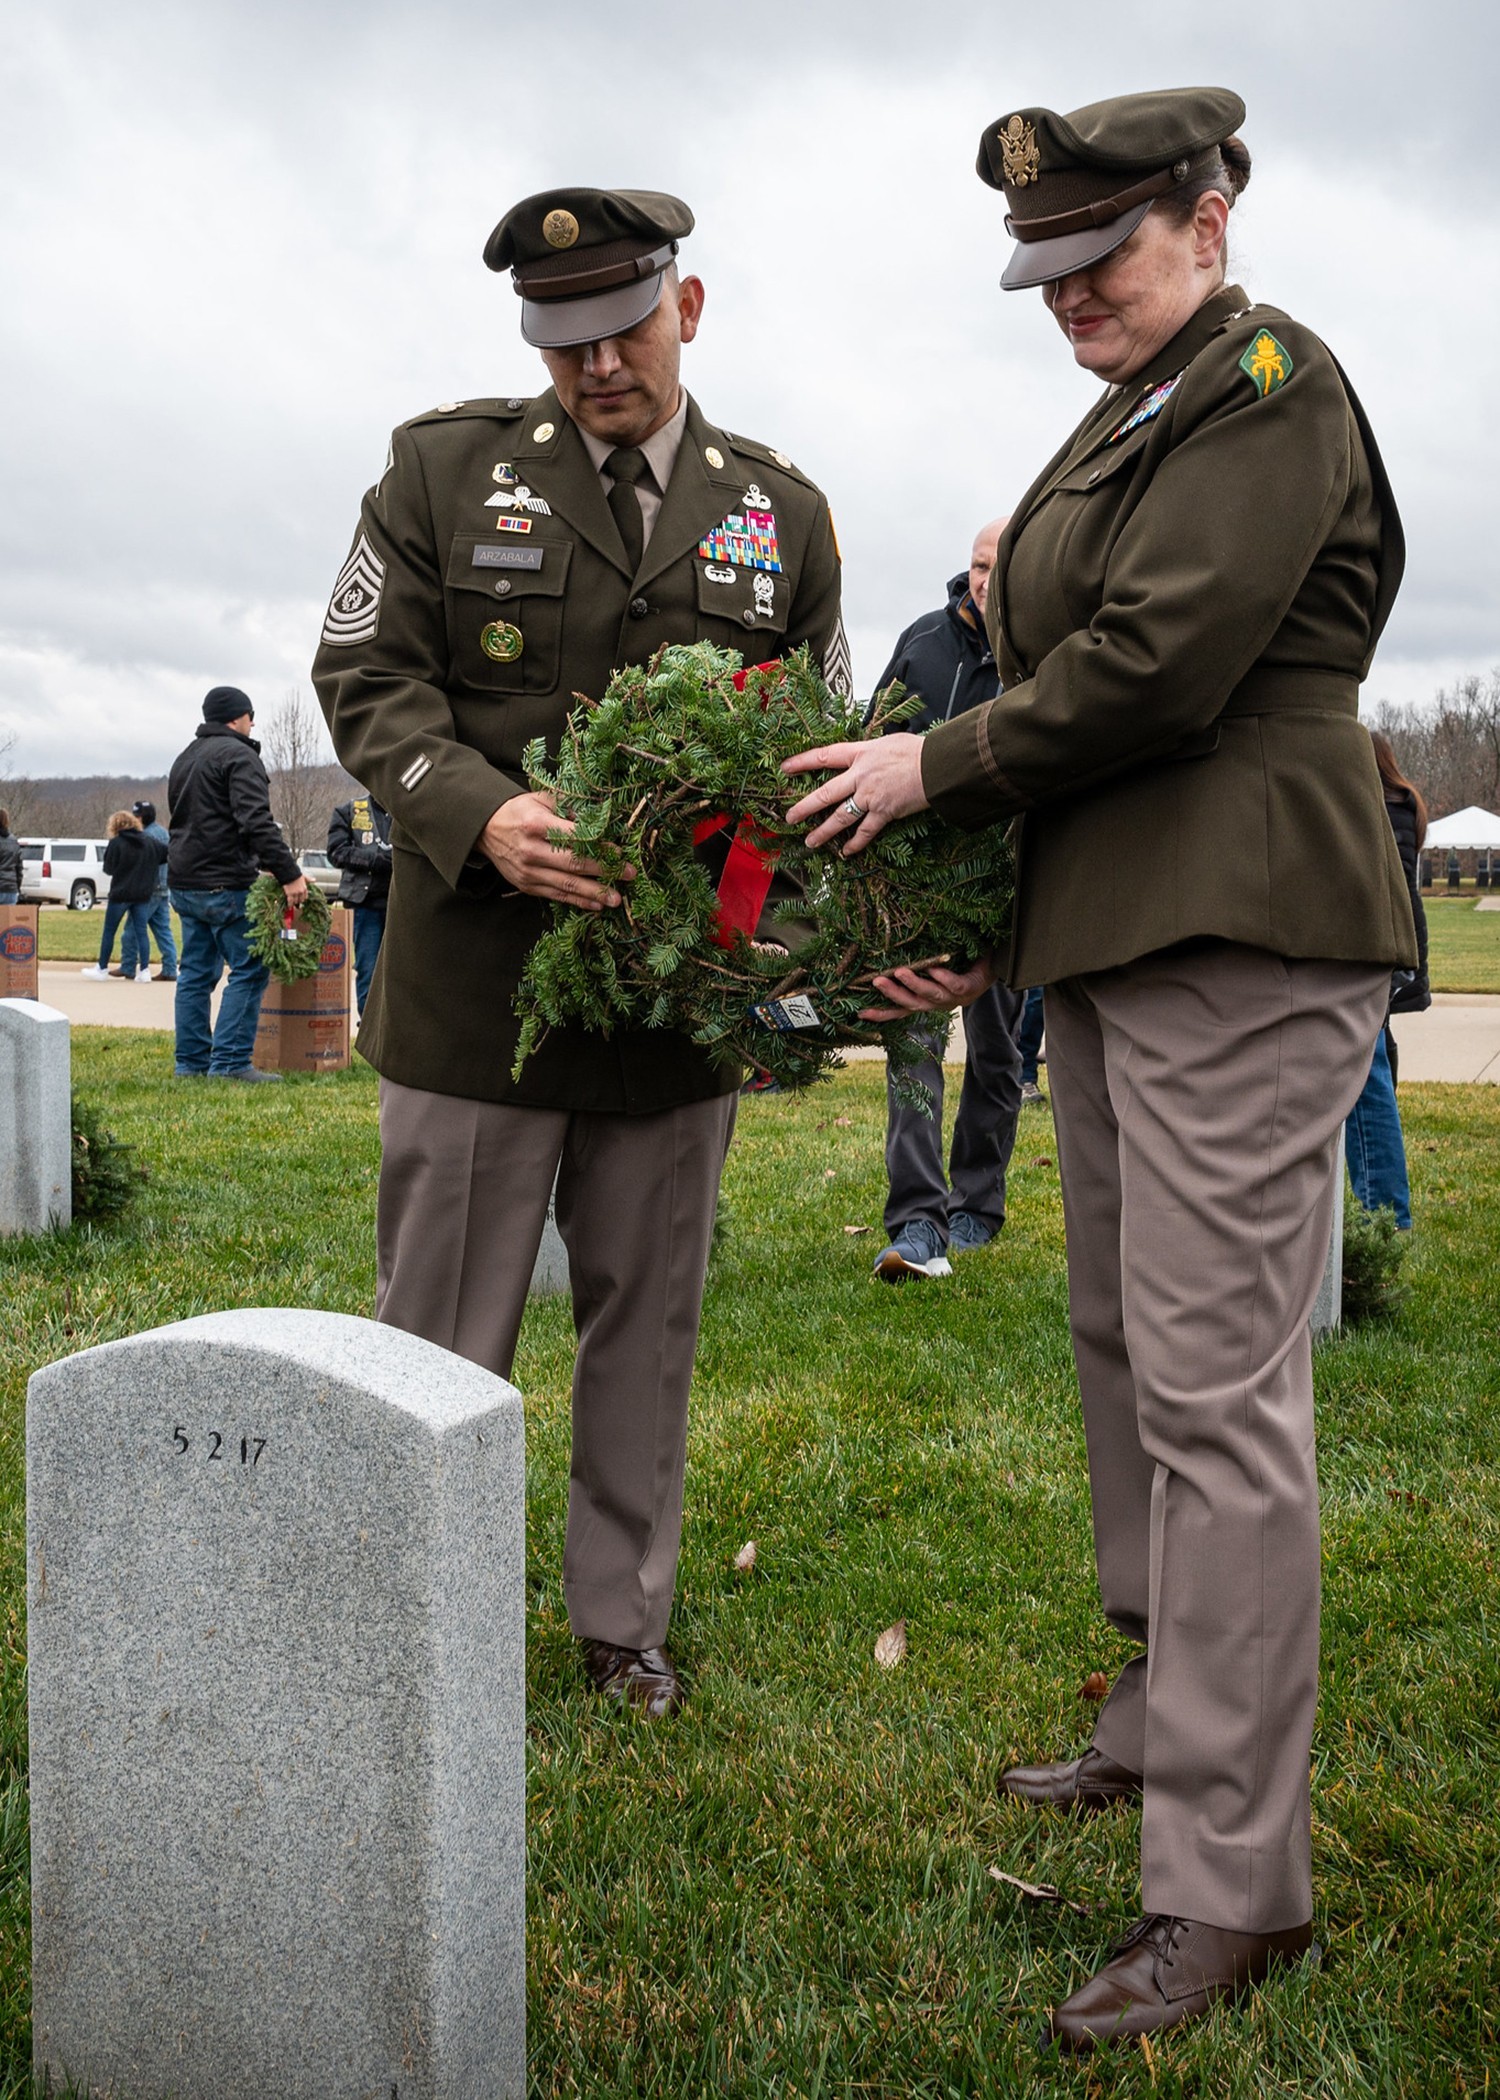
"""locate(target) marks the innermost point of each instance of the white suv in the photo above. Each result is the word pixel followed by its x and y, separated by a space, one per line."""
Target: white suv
pixel 63 871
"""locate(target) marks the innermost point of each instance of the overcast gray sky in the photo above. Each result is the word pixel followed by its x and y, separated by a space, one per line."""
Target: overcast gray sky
pixel 238 245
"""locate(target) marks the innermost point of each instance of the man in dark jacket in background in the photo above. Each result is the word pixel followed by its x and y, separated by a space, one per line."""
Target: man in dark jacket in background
pixel 359 842
pixel 945 659
pixel 223 834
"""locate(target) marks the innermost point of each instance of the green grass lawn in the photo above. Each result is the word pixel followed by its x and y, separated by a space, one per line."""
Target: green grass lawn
pixel 73 936
pixel 787 1891
pixel 1463 945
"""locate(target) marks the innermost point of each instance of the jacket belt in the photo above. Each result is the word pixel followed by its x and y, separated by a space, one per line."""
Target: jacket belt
pixel 1273 690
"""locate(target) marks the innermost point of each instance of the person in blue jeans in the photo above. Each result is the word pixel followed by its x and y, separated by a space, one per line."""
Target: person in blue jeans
pixel 359 842
pixel 1029 1043
pixel 1373 1144
pixel 159 915
pixel 223 834
pixel 130 862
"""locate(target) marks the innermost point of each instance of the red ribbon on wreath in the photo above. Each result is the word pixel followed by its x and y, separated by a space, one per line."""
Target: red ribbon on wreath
pixel 753 853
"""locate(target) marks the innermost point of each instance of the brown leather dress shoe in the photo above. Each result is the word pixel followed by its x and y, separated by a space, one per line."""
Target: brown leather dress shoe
pixel 1086 1786
pixel 1166 1970
pixel 641 1677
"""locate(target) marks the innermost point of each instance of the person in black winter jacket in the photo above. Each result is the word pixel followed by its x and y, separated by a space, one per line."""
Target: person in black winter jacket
pixel 944 658
pixel 359 842
pixel 1373 1143
pixel 130 861
pixel 223 834
pixel 11 862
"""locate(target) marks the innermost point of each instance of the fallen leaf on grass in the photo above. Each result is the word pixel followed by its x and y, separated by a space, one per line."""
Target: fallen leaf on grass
pixel 1040 1891
pixel 1094 1686
pixel 855 1230
pixel 828 1173
pixel 1406 1495
pixel 744 1560
pixel 891 1646
pixel 843 1122
pixel 1041 1160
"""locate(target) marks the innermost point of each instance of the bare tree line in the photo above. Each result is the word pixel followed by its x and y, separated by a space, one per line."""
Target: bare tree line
pixel 1450 746
pixel 306 783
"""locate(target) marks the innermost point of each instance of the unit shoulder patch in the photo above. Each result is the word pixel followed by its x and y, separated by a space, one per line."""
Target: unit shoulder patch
pixel 354 608
pixel 1267 364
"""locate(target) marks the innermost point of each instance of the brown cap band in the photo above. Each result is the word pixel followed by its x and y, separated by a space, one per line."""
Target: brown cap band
pixel 1099 213
pixel 583 281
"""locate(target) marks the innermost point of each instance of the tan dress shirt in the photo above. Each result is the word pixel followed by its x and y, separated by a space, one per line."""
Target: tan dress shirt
pixel 661 450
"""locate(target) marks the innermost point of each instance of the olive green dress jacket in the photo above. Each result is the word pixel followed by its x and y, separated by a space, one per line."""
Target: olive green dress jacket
pixel 1182 609
pixel 433 722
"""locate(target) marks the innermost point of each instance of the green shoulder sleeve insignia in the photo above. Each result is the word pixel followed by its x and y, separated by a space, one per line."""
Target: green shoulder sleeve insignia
pixel 1267 364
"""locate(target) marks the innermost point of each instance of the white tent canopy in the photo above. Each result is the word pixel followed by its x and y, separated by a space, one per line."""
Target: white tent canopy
pixel 1469 830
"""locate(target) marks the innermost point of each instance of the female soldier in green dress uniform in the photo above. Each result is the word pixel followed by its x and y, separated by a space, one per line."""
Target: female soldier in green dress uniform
pixel 1184 605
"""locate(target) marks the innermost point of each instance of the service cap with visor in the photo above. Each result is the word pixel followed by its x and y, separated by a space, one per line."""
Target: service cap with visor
pixel 1078 185
pixel 587 263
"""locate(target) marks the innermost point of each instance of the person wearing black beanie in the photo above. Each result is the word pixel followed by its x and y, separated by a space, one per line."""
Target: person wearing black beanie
pixel 226 703
pixel 223 834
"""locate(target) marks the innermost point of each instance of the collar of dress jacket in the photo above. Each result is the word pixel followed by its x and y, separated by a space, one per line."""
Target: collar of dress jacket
pixel 699 492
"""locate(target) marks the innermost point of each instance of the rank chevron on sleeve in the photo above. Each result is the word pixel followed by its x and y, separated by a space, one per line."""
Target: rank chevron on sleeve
pixel 354 609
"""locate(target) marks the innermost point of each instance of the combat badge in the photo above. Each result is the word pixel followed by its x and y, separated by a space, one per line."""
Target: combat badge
pixel 717 575
pixel 501 642
pixel 354 609
pixel 1018 151
pixel 1153 405
pixel 1267 364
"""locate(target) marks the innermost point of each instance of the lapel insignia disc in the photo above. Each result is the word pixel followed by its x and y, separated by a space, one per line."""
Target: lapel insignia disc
pixel 1018 151
pixel 1153 405
pixel 559 229
pixel 354 609
pixel 501 642
pixel 543 431
pixel 1267 364
pixel 745 539
pixel 713 455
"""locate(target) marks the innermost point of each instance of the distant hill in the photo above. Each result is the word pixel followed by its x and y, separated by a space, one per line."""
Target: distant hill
pixel 79 806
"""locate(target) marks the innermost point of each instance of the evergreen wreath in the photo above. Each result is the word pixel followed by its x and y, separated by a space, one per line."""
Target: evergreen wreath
pixel 693 743
pixel 290 951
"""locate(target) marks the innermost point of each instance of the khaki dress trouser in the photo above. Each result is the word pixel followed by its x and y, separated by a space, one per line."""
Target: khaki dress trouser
pixel 1199 1094
pixel 464 1187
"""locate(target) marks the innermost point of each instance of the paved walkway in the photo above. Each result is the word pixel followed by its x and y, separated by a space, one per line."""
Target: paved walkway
pixel 1457 1039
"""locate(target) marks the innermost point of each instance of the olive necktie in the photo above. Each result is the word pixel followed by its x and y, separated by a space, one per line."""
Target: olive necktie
pixel 627 465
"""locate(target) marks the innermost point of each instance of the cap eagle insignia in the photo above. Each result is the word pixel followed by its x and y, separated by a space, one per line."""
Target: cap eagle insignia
pixel 1018 151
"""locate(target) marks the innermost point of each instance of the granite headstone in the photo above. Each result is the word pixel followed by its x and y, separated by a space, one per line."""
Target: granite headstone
pixel 275 1566
pixel 36 1117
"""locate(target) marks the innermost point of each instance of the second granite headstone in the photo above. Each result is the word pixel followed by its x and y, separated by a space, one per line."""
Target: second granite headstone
pixel 36 1118
pixel 277 1716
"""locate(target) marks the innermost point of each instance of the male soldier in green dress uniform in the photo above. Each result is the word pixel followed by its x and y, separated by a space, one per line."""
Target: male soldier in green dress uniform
pixel 514 553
